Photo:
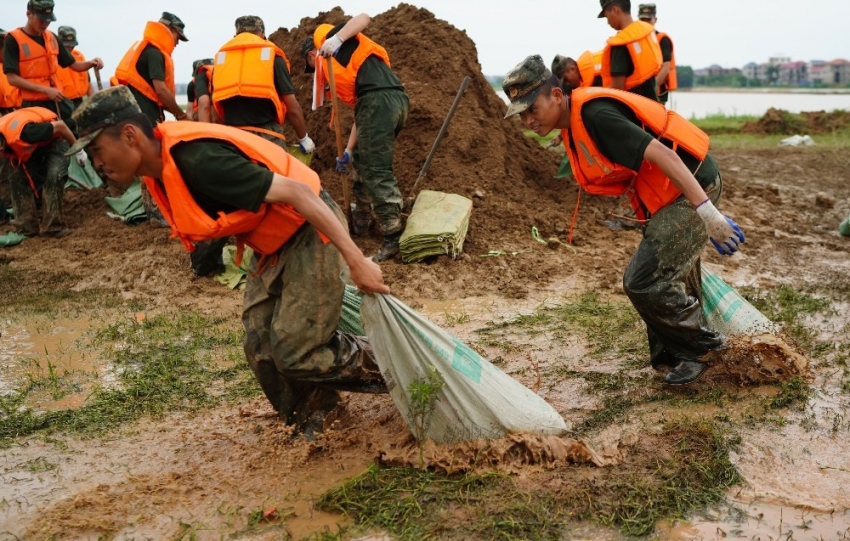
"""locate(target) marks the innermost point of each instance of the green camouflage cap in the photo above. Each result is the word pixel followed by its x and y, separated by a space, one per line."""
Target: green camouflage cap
pixel 42 8
pixel 604 4
pixel 646 11
pixel 250 23
pixel 307 45
pixel 172 20
pixel 68 36
pixel 106 108
pixel 202 62
pixel 523 83
pixel 559 65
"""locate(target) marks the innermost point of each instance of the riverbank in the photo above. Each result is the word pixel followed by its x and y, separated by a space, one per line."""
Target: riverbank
pixel 766 90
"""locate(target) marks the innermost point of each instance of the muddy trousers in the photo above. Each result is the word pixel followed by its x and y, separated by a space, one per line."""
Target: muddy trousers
pixel 291 314
pixel 664 283
pixel 48 169
pixel 379 115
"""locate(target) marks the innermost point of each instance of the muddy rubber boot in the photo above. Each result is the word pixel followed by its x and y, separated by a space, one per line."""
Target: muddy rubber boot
pixel 360 224
pixel 308 417
pixel 355 368
pixel 389 248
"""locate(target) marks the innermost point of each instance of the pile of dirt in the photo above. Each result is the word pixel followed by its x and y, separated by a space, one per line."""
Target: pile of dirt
pixel 484 157
pixel 781 122
pixel 761 359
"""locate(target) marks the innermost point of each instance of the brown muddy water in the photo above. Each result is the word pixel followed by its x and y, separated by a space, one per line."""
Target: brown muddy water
pixel 207 471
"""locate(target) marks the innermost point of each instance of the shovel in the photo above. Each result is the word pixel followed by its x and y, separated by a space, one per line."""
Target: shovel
pixel 408 203
pixel 346 193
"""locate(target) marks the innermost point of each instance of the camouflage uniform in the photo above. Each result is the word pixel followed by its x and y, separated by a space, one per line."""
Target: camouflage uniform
pixel 664 282
pixel 292 306
pixel 291 313
pixel 379 115
pixel 48 168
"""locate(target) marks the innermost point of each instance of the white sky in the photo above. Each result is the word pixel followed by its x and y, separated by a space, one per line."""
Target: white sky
pixel 727 32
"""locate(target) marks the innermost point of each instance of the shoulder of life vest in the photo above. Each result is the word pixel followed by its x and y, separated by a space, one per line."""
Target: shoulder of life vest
pixel 640 40
pixel 159 36
pixel 266 230
pixel 346 76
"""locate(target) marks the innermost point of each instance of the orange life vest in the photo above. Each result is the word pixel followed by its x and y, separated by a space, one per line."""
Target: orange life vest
pixel 244 67
pixel 158 35
pixel 642 43
pixel 10 96
pixel 345 78
pixel 266 230
pixel 209 71
pixel 13 124
pixel 648 189
pixel 37 64
pixel 75 84
pixel 672 82
pixel 589 67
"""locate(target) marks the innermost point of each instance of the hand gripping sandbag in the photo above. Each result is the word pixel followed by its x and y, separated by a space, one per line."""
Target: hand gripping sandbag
pixel 477 400
pixel 728 312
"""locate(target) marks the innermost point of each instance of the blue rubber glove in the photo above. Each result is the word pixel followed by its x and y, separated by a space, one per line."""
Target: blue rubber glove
pixel 342 163
pixel 725 235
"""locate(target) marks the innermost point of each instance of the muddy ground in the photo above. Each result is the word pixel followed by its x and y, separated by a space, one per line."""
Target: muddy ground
pixel 213 473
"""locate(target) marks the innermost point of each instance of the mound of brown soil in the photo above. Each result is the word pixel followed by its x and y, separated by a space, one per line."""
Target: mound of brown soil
pixel 781 122
pixel 483 157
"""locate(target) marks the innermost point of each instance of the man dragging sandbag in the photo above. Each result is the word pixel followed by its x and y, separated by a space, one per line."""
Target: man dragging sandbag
pixel 620 143
pixel 214 181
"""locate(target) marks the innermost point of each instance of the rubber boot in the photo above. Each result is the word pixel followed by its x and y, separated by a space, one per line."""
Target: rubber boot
pixel 360 223
pixel 389 248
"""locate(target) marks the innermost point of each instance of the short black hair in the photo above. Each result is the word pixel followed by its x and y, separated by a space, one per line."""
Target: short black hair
pixel 140 120
pixel 625 5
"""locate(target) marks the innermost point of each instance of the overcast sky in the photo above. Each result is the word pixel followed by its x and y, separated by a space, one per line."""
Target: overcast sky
pixel 727 32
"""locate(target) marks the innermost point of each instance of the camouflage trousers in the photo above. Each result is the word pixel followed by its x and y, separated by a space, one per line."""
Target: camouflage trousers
pixel 154 214
pixel 6 170
pixel 664 283
pixel 291 313
pixel 379 116
pixel 48 169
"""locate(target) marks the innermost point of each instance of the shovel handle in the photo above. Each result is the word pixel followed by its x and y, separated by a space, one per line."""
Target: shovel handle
pixel 340 150
pixel 97 76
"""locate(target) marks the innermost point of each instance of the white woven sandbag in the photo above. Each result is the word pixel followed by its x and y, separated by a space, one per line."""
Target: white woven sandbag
pixel 477 399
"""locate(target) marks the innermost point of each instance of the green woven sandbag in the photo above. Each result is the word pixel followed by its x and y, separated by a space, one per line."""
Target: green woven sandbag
pixel 437 225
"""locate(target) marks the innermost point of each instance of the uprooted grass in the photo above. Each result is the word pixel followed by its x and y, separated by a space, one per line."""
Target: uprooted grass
pixel 168 362
pixel 671 473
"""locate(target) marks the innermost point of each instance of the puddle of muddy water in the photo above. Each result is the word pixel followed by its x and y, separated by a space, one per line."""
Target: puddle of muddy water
pixel 761 521
pixel 53 352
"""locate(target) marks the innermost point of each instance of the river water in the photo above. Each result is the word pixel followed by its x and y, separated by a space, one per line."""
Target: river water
pixel 701 104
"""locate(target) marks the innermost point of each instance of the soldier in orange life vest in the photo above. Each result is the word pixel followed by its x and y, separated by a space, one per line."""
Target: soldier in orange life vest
pixel 76 84
pixel 148 71
pixel 252 88
pixel 587 71
pixel 365 81
pixel 10 96
pixel 620 144
pixel 34 141
pixel 32 56
pixel 198 92
pixel 665 81
pixel 212 181
pixel 632 58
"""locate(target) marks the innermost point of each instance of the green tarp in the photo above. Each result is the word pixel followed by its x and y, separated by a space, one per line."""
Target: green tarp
pixel 128 207
pixel 11 239
pixel 82 177
pixel 437 225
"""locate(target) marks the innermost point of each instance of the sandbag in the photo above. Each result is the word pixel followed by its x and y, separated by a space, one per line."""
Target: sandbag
pixel 82 177
pixel 728 312
pixel 477 400
pixel 437 225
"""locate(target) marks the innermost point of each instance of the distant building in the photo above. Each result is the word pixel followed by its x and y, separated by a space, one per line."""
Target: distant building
pixel 793 74
pixel 751 70
pixel 817 72
pixel 837 72
pixel 778 60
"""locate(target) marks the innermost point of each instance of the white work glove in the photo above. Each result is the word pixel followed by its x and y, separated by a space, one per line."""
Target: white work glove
pixel 307 145
pixel 331 46
pixel 82 158
pixel 723 232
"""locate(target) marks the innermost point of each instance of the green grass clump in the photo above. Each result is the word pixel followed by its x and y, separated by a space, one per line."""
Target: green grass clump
pixel 669 475
pixel 169 362
pixel 720 123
